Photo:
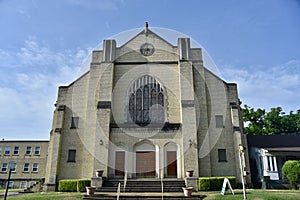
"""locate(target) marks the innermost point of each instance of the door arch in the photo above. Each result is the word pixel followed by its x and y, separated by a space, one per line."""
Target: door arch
pixel 145 159
pixel 171 161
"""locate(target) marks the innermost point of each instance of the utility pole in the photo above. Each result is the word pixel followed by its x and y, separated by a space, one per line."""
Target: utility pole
pixel 10 166
pixel 243 168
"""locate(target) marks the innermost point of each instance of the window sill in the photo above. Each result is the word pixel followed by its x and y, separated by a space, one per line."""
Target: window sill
pixel 222 161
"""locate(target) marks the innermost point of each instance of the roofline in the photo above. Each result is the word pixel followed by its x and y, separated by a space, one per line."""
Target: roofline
pixel 2 141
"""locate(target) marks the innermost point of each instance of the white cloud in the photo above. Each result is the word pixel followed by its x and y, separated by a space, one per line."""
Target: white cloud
pixel 267 86
pixel 28 89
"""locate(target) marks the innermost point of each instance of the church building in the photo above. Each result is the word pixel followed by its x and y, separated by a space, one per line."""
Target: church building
pixel 147 109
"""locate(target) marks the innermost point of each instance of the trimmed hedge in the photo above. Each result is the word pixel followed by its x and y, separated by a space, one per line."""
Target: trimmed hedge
pixel 73 185
pixel 67 185
pixel 214 183
pixel 82 183
pixel 204 184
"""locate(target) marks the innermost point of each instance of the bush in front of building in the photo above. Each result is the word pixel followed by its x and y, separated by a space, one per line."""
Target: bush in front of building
pixel 204 184
pixel 73 185
pixel 214 183
pixel 291 171
pixel 67 185
pixel 82 183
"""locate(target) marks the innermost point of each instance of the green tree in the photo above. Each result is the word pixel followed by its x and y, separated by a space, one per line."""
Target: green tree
pixel 291 171
pixel 275 122
pixel 255 120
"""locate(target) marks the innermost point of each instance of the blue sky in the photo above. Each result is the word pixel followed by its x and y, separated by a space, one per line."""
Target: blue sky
pixel 43 43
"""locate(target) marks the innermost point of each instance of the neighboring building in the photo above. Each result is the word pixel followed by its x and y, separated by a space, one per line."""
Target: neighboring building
pixel 268 153
pixel 29 158
pixel 149 109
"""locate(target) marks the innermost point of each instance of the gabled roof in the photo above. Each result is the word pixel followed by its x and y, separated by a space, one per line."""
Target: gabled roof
pixel 147 31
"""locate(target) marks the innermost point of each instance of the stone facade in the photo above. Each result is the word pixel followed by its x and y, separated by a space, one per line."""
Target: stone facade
pixel 146 109
pixel 30 162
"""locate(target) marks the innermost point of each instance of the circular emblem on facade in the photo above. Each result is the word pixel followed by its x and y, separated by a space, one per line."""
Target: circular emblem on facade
pixel 147 49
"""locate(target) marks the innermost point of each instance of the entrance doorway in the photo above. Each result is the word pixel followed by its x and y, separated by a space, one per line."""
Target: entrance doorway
pixel 171 164
pixel 145 164
pixel 120 164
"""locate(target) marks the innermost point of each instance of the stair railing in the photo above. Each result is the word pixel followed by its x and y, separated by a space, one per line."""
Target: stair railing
pixel 118 191
pixel 162 187
pixel 125 180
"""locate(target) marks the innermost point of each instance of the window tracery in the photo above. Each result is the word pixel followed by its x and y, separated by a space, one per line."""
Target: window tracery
pixel 146 101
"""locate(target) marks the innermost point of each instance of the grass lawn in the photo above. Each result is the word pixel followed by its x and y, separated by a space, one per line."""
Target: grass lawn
pixel 212 195
pixel 254 195
pixel 48 196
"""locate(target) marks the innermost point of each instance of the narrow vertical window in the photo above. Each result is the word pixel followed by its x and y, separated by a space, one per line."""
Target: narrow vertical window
pixel 72 155
pixel 28 150
pixel 219 121
pixel 74 122
pixel 37 150
pixel 26 167
pixel 35 167
pixel 7 151
pixel 13 167
pixel 222 155
pixel 4 167
pixel 16 151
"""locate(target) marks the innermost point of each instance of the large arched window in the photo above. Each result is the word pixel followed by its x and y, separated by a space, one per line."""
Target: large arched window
pixel 146 101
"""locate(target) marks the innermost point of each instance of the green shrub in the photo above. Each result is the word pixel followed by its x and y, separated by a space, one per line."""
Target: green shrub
pixel 214 183
pixel 291 171
pixel 82 183
pixel 67 186
pixel 204 184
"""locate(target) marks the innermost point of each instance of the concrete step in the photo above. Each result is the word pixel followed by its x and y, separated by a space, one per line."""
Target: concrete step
pixel 148 185
pixel 141 189
pixel 144 196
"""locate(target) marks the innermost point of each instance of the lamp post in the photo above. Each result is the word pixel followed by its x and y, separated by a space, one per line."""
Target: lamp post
pixel 242 167
pixel 11 165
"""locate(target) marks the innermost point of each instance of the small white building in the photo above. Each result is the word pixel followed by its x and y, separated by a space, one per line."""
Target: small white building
pixel 268 154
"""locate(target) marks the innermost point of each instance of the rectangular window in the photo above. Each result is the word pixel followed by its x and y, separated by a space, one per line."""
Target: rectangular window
pixel 11 184
pixel 28 150
pixel 222 155
pixel 35 167
pixel 219 121
pixel 269 164
pixel 16 151
pixel 4 167
pixel 23 184
pixel 0 151
pixel 37 150
pixel 26 167
pixel 72 155
pixel 13 167
pixel 74 122
pixel 7 151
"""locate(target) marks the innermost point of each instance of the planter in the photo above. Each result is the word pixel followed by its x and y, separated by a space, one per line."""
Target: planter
pixel 99 173
pixel 187 191
pixel 189 173
pixel 90 190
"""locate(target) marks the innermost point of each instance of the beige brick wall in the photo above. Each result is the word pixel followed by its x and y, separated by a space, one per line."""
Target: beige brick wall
pixel 21 158
pixel 184 82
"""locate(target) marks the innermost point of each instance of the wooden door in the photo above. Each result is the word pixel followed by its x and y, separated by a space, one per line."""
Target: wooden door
pixel 145 164
pixel 120 163
pixel 171 164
